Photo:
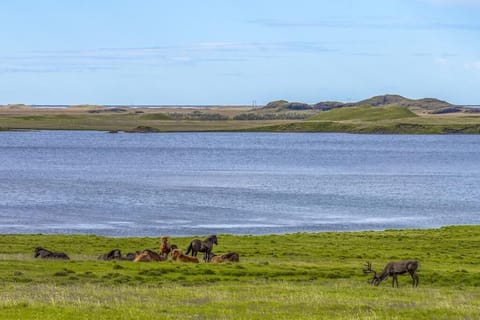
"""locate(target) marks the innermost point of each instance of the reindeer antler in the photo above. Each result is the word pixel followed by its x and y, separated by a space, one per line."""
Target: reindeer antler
pixel 369 269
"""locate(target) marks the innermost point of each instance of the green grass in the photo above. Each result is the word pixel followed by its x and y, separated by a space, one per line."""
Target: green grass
pixel 123 122
pixel 293 276
pixel 365 113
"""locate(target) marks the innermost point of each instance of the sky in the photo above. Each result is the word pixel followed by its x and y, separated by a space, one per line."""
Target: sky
pixel 232 52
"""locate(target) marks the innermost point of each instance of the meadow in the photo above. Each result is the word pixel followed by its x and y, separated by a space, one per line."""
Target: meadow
pixel 291 276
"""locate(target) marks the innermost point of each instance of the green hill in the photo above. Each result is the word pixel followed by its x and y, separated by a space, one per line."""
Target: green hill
pixel 365 113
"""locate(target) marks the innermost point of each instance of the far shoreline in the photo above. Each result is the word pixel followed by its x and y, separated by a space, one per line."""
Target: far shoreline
pixel 280 234
pixel 356 120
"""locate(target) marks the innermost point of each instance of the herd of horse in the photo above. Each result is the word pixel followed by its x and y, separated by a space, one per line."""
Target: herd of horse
pixel 205 246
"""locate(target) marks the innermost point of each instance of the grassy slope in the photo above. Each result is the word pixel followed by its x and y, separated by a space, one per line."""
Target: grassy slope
pixel 280 276
pixel 365 114
pixel 389 119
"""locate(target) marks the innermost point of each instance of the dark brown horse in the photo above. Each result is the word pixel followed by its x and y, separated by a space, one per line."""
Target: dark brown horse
pixel 205 246
pixel 114 254
pixel 47 254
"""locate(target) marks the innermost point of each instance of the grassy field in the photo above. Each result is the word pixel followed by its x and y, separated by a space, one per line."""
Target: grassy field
pixel 293 276
pixel 389 119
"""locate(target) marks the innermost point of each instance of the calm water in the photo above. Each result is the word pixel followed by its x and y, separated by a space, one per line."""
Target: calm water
pixel 245 183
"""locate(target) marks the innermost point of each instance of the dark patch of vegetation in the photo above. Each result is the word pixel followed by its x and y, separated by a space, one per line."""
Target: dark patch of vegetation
pixel 328 105
pixel 155 116
pixel 365 113
pixel 143 129
pixel 271 116
pixel 198 115
pixel 446 110
pixel 108 110
pixel 298 106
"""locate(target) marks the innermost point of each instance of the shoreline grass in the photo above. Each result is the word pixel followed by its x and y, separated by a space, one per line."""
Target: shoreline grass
pixel 290 276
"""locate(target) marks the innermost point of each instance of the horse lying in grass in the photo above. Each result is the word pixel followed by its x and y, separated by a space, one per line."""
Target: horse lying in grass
pixel 129 256
pixel 178 255
pixel 114 254
pixel 227 257
pixel 47 254
pixel 147 256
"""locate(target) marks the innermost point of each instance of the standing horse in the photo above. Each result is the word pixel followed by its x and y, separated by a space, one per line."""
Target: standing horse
pixel 205 246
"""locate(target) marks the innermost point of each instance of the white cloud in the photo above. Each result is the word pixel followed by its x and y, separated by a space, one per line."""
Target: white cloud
pixel 118 58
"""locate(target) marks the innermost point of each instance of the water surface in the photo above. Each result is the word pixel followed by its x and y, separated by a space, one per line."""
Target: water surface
pixel 243 183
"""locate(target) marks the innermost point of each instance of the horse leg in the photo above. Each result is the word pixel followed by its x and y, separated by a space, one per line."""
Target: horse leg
pixel 207 256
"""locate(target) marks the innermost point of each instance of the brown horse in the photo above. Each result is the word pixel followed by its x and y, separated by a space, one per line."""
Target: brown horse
pixel 205 246
pixel 178 255
pixel 227 257
pixel 147 256
pixel 165 246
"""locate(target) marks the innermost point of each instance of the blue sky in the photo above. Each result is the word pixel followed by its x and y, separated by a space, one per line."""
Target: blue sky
pixel 233 52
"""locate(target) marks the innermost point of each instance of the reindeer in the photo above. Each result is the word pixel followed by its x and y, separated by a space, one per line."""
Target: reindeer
pixel 394 269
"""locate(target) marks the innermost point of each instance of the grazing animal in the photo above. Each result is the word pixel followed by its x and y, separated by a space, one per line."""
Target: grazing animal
pixel 205 246
pixel 394 269
pixel 147 256
pixel 47 254
pixel 114 254
pixel 227 257
pixel 165 246
pixel 178 255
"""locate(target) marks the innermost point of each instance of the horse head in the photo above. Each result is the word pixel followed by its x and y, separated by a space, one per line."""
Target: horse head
pixel 213 238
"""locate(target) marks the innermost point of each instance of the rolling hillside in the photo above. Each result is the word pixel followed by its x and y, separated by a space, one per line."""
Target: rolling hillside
pixel 365 113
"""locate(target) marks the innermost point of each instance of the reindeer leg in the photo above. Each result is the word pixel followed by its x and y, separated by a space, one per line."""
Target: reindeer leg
pixel 414 279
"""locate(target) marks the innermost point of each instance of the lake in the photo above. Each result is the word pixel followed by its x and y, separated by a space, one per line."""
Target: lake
pixel 239 183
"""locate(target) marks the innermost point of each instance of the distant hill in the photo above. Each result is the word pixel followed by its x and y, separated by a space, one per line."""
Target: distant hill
pixel 283 104
pixel 425 105
pixel 365 113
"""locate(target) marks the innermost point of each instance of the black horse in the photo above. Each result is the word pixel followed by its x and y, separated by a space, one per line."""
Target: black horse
pixel 205 246
pixel 114 254
pixel 47 254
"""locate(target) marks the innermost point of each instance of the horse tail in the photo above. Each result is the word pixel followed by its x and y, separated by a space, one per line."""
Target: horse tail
pixel 189 248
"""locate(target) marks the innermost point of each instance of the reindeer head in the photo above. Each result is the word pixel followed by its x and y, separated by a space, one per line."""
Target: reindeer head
pixel 368 269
